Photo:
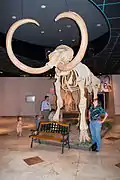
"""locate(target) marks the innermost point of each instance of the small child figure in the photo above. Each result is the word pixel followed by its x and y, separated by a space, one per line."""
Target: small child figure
pixel 19 126
pixel 37 121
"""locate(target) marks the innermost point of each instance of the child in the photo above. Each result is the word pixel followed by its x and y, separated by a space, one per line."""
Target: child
pixel 19 126
pixel 37 121
pixel 95 113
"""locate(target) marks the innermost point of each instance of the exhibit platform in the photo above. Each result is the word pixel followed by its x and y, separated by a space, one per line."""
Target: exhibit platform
pixel 8 128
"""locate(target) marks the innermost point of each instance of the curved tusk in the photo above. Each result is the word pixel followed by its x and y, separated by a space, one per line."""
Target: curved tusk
pixel 84 40
pixel 11 55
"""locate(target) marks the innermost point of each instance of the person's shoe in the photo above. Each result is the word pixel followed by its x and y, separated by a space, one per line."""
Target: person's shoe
pixel 93 147
pixel 97 150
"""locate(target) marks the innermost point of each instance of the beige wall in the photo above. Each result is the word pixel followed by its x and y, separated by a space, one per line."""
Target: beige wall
pixel 13 91
pixel 116 91
pixel 110 104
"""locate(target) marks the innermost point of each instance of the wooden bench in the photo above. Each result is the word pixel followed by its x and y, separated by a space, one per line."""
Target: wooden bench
pixel 54 131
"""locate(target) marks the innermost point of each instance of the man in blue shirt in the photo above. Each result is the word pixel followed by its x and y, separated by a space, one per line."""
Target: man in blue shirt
pixel 45 108
pixel 95 113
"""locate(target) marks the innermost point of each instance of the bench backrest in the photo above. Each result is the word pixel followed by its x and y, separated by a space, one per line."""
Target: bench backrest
pixel 54 127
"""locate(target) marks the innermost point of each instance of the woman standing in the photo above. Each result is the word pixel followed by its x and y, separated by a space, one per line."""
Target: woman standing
pixel 95 113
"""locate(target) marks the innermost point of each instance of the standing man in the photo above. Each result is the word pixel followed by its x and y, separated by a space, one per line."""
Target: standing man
pixel 95 113
pixel 45 108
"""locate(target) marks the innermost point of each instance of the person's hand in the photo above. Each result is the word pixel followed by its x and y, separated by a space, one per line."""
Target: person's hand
pixel 100 122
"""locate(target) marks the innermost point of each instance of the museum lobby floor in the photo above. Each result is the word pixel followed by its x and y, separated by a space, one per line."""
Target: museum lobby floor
pixel 72 165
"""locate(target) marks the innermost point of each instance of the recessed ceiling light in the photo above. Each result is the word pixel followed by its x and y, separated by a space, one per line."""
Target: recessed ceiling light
pixel 43 6
pixel 59 30
pixel 73 40
pixel 1 72
pixel 42 32
pixel 24 75
pixel 13 17
pixel 68 26
pixel 61 40
pixel 98 25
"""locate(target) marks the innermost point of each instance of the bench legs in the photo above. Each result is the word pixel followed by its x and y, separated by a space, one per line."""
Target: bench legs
pixel 68 142
pixel 39 141
pixel 63 145
pixel 31 143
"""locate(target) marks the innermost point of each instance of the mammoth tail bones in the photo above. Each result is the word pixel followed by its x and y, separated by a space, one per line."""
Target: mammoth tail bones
pixel 64 62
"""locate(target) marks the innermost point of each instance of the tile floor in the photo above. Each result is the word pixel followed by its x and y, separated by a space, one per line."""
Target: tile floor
pixel 72 165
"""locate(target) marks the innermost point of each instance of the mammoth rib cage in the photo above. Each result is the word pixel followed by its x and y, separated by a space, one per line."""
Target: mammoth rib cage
pixel 65 83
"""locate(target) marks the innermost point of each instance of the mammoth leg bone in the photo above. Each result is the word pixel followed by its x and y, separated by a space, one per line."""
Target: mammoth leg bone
pixel 82 107
pixel 95 92
pixel 59 99
pixel 95 86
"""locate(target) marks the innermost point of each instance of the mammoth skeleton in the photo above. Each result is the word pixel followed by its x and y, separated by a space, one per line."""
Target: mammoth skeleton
pixel 73 73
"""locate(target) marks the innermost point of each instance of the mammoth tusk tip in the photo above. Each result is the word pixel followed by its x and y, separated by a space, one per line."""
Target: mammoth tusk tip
pixel 37 24
pixel 57 18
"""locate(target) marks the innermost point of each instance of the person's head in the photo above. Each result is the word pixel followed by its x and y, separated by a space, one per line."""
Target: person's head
pixel 19 118
pixel 91 102
pixel 105 86
pixel 95 102
pixel 47 98
pixel 36 117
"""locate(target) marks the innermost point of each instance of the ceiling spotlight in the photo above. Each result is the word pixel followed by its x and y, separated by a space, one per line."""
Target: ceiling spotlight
pixel 68 26
pixel 43 6
pixel 13 17
pixel 1 72
pixel 73 40
pixel 61 40
pixel 42 32
pixel 24 75
pixel 59 30
pixel 98 25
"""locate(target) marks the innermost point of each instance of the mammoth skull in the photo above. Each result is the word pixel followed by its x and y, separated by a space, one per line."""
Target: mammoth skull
pixel 61 57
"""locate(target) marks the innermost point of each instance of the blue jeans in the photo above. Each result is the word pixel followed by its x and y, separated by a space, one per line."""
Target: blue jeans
pixel 95 129
pixel 37 123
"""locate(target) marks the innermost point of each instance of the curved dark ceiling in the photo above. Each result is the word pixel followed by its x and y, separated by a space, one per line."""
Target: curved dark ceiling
pixel 48 33
pixel 107 62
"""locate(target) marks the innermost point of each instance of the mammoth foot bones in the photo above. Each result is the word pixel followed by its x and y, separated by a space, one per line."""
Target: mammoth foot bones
pixel 84 136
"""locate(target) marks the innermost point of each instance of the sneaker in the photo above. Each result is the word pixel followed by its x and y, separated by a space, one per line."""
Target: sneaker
pixel 97 150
